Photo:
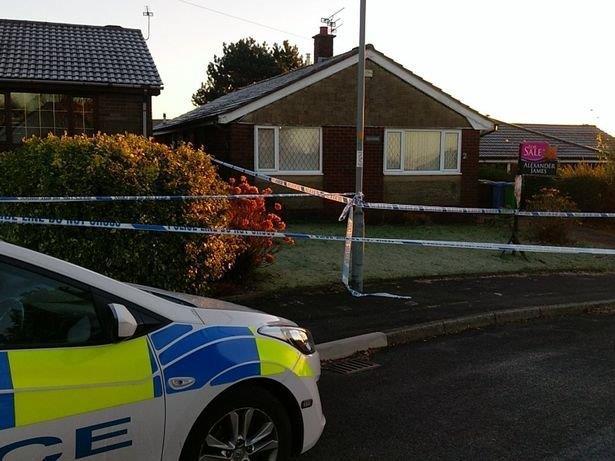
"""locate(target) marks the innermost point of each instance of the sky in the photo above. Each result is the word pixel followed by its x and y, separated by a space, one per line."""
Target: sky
pixel 532 61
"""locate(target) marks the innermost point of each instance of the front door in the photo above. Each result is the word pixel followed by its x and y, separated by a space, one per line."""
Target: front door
pixel 67 390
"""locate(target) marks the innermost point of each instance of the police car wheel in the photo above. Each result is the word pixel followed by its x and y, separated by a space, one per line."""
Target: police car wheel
pixel 247 425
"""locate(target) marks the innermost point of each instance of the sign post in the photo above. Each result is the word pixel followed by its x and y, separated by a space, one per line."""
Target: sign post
pixel 535 159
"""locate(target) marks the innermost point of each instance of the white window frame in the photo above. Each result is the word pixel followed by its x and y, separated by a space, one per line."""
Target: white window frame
pixel 402 172
pixel 276 142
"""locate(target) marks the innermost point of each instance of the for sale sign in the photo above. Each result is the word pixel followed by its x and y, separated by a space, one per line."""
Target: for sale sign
pixel 537 159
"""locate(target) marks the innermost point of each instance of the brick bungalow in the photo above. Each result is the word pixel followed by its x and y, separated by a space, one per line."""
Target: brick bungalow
pixel 421 145
pixel 57 78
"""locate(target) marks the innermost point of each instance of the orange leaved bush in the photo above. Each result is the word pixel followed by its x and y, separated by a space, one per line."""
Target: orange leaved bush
pixel 254 213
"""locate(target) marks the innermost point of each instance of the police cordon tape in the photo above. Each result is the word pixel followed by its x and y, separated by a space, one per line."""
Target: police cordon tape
pixel 288 184
pixel 350 201
pixel 346 266
pixel 358 201
pixel 487 211
pixel 147 198
pixel 355 201
pixel 303 236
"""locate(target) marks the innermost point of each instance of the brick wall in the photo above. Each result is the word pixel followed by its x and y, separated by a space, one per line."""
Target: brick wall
pixel 235 143
pixel 470 143
pixel 214 139
pixel 119 113
pixel 438 190
pixel 339 160
pixel 390 102
pixel 241 145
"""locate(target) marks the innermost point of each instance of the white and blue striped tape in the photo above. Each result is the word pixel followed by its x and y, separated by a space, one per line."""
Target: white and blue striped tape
pixel 350 202
pixel 290 185
pixel 420 208
pixel 303 236
pixel 145 198
pixel 346 266
pixel 486 211
pixel 311 192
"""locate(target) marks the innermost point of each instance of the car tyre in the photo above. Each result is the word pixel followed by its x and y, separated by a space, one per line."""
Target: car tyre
pixel 220 429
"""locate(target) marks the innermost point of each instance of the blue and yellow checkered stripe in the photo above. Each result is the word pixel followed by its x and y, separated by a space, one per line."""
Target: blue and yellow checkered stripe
pixel 222 355
pixel 7 406
pixel 41 385
pixel 47 384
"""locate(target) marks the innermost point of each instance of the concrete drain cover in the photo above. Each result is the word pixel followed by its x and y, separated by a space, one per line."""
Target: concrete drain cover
pixel 350 366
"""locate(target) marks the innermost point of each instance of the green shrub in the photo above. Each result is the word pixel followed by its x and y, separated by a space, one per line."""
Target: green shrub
pixel 551 230
pixel 591 187
pixel 122 165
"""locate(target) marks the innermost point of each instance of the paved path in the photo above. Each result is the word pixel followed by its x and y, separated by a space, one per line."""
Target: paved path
pixel 334 314
pixel 532 391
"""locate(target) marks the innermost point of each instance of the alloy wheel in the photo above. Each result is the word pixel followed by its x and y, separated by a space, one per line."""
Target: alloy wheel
pixel 245 434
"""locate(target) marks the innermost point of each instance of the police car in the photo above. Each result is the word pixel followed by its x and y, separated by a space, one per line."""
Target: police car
pixel 93 369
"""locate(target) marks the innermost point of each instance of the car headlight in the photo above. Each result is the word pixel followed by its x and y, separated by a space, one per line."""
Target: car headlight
pixel 299 338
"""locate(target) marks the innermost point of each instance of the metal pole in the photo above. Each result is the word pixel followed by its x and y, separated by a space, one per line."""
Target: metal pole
pixel 358 249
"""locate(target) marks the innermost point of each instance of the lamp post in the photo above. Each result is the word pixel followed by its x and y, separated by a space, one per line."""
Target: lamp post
pixel 358 248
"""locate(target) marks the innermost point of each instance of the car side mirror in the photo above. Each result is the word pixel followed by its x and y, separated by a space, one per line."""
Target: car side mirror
pixel 125 325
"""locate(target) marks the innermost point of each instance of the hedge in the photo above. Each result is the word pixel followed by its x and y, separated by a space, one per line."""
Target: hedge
pixel 122 165
pixel 591 187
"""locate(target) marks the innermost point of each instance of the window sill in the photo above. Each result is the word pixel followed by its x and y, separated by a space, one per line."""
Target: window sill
pixel 422 173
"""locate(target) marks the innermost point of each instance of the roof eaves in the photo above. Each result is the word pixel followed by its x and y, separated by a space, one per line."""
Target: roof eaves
pixel 82 83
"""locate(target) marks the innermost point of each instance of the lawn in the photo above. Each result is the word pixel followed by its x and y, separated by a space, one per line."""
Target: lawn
pixel 314 263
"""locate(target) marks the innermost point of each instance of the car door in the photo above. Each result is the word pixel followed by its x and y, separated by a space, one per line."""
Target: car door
pixel 68 390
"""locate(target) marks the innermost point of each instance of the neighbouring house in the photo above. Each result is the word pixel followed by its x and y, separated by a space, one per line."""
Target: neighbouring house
pixel 421 144
pixel 68 78
pixel 575 143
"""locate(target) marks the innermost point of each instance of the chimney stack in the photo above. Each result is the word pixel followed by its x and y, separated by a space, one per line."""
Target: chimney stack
pixel 323 45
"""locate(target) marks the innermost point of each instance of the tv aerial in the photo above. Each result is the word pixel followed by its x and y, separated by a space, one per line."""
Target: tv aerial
pixel 148 14
pixel 333 21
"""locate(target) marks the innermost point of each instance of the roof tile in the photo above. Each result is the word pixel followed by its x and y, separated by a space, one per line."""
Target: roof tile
pixel 31 50
pixel 574 142
pixel 250 93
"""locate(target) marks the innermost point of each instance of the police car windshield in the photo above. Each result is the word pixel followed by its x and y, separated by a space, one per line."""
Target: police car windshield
pixel 173 299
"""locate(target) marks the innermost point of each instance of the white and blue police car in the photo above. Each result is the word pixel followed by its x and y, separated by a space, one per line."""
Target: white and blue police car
pixel 95 369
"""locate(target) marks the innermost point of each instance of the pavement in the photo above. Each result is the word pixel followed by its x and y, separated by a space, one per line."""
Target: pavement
pixel 539 390
pixel 333 314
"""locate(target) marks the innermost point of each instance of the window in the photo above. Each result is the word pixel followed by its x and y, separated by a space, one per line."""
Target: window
pixel 288 150
pixel 38 114
pixel 422 152
pixel 83 115
pixel 34 114
pixel 2 118
pixel 266 149
pixel 451 151
pixel 36 311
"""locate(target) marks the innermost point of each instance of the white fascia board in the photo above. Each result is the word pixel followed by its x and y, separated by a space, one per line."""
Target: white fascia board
pixel 477 121
pixel 286 91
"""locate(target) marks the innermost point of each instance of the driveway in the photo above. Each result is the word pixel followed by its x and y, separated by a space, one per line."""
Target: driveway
pixel 530 391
